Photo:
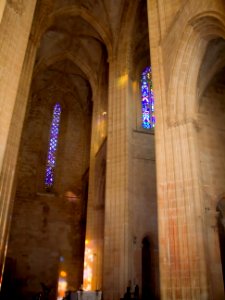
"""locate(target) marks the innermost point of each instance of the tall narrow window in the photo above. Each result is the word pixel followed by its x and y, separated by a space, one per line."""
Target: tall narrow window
pixel 53 141
pixel 148 116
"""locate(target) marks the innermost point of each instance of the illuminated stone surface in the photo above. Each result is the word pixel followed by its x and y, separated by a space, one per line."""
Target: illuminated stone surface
pixel 89 56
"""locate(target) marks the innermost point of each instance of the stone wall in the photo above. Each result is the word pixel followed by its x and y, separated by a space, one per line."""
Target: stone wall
pixel 47 232
pixel 145 209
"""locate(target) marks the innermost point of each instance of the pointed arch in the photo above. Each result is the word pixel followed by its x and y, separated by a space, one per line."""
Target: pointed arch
pixel 182 89
pixel 86 15
pixel 78 61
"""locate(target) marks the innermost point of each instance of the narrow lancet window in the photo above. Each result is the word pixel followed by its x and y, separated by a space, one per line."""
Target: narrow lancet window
pixel 53 141
pixel 148 115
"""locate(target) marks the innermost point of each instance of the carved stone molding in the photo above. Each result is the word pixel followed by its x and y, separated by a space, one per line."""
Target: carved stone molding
pixel 17 5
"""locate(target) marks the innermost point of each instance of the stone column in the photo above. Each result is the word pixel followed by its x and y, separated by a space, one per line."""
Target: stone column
pixel 94 236
pixel 117 237
pixel 183 270
pixel 181 213
pixel 14 32
pixel 15 81
pixel 2 7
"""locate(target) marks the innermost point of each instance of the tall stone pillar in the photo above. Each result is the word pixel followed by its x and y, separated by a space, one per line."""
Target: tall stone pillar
pixel 117 235
pixel 15 83
pixel 2 7
pixel 95 209
pixel 183 270
pixel 181 211
pixel 14 32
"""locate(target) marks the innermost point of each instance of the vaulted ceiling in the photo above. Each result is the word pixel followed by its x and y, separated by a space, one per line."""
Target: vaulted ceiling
pixel 76 38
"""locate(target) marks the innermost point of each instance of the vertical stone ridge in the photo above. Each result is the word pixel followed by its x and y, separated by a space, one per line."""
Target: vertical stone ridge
pixel 7 180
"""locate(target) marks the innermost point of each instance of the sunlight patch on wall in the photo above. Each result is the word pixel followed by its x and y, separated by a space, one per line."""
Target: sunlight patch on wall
pixel 88 266
pixel 62 281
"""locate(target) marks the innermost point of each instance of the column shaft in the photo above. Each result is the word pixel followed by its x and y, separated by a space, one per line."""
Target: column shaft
pixel 7 179
pixel 14 32
pixel 117 238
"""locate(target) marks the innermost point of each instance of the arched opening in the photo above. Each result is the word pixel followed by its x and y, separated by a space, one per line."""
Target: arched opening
pixel 211 139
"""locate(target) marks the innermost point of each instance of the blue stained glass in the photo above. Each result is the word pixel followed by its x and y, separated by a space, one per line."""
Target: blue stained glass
pixel 53 141
pixel 148 117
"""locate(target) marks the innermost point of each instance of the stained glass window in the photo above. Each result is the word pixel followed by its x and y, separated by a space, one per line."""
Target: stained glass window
pixel 148 115
pixel 53 141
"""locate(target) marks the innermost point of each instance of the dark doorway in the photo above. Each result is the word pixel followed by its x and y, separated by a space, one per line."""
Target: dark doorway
pixel 9 287
pixel 147 293
pixel 222 247
pixel 221 231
